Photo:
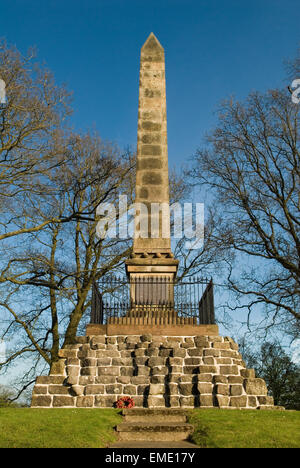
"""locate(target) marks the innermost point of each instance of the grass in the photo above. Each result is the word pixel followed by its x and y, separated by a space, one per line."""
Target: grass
pixel 94 428
pixel 57 428
pixel 246 428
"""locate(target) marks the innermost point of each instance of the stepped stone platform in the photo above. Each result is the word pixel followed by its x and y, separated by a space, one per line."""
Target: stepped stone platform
pixel 154 425
pixel 156 371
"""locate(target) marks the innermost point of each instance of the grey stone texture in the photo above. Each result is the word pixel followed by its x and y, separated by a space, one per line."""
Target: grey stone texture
pixel 98 371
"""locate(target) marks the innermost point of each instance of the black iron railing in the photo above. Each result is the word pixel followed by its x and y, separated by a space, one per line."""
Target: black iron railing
pixel 153 300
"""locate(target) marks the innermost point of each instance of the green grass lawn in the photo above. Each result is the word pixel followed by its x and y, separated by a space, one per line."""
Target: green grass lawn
pixel 57 428
pixel 94 428
pixel 246 428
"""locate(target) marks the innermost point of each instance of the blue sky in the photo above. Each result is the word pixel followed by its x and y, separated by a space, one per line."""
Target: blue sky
pixel 214 49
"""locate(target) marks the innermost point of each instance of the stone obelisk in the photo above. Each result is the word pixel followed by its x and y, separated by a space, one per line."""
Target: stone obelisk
pixel 152 253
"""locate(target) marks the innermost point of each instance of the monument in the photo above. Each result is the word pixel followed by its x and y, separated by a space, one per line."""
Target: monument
pixel 152 256
pixel 152 350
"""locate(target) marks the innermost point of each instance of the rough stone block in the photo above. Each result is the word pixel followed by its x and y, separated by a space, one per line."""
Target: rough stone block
pixel 59 401
pixel 141 361
pixel 218 345
pixel 165 352
pixel 156 361
pixel 252 401
pixel 175 369
pixel 85 402
pixel 132 339
pixel 105 379
pixel 140 380
pixel 85 380
pixel 67 353
pixel 173 388
pixel 115 388
pixel 103 362
pixel 97 340
pixel 105 401
pixel 191 369
pixel 179 352
pixel 188 343
pixel 150 352
pixel 222 379
pixel 216 338
pixel 141 352
pixel 58 367
pixel 193 361
pixel 90 370
pixel 205 377
pixel 124 379
pixel 236 390
pixel 122 362
pixel 159 370
pixel 225 360
pixel 94 389
pixel 156 389
pixel 58 390
pixel 143 389
pixel 73 362
pixel 78 390
pixel 73 371
pixel 187 401
pixel 235 379
pixel 109 370
pixel 130 390
pixel 111 340
pixel 85 354
pixel 205 388
pixel 142 370
pixel 106 353
pixel 174 401
pixel 208 369
pixel 40 390
pixel 209 360
pixel 248 373
pixel 255 387
pixel 146 338
pixel 201 342
pixel 175 361
pixel 159 379
pixel 41 400
pixel 238 401
pixel 156 402
pixel 195 352
pixel 227 370
pixel 222 401
pixel 222 389
pixel 211 352
pixel 206 400
pixel 265 400
pixel 186 388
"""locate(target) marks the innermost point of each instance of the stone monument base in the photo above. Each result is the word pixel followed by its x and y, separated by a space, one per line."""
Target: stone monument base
pixel 157 371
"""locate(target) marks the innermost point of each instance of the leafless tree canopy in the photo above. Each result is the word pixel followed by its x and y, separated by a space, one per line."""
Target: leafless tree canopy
pixel 251 164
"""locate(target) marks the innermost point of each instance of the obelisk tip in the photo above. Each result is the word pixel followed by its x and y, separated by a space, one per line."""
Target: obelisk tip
pixel 152 44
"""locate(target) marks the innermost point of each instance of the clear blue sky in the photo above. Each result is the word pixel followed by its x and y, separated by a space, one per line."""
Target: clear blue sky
pixel 214 48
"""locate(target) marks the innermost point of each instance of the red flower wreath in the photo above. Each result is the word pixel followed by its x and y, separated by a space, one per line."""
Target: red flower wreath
pixel 125 402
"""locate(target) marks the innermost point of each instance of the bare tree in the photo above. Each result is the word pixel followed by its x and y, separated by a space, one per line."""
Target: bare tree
pixel 32 123
pixel 251 164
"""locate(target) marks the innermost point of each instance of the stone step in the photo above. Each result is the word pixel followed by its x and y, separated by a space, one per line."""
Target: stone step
pixel 154 431
pixel 157 415
pixel 154 444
